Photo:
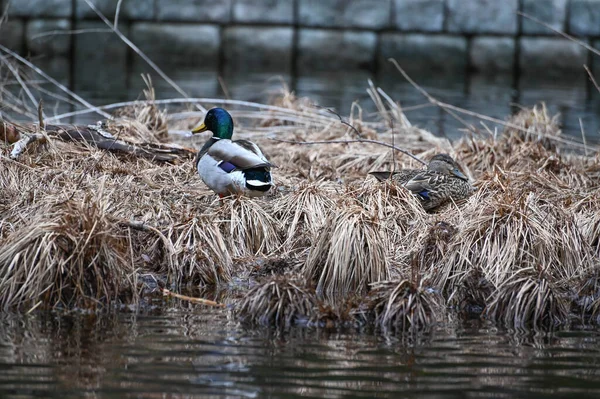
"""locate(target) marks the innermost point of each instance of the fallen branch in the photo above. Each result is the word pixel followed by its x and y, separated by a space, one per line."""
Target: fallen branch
pixel 94 135
pixel 200 301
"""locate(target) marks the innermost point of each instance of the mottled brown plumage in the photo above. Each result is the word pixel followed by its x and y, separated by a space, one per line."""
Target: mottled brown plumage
pixel 442 181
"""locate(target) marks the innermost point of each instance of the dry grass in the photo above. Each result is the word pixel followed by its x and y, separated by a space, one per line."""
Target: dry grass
pixel 529 234
pixel 400 306
pixel 350 252
pixel 530 300
pixel 66 255
pixel 280 301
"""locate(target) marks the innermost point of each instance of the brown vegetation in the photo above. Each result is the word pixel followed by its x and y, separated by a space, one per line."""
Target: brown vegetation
pixel 78 223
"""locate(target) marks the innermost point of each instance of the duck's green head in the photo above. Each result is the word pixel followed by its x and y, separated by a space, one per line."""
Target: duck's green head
pixel 219 122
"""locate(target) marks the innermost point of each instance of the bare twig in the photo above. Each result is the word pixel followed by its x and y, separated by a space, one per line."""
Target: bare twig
pixel 68 32
pixel 41 115
pixel 563 34
pixel 446 107
pixel 350 142
pixel 449 107
pixel 117 12
pixel 139 52
pixel 595 83
pixel 91 107
pixel 192 101
pixel 199 301
pixel 17 76
pixel 341 120
pixel 583 137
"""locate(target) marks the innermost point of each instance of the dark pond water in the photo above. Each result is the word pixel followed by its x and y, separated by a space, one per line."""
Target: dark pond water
pixel 195 352
pixel 577 102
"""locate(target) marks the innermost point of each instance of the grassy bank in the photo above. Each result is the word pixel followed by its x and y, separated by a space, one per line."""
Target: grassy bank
pixel 80 227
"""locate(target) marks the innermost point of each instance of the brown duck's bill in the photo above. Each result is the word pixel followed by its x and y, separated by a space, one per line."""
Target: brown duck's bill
pixel 459 174
pixel 381 176
pixel 199 129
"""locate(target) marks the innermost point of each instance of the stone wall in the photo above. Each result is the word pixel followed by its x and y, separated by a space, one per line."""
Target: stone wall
pixel 299 37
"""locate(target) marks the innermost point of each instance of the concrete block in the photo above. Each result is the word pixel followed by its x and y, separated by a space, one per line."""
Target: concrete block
pixel 39 8
pixel 353 50
pixel 422 54
pixel 130 9
pixel 100 61
pixel 419 15
pixel 492 54
pixel 370 14
pixel 182 45
pixel 194 10
pixel 551 57
pixel 552 12
pixel 187 53
pixel 265 11
pixel 43 36
pixel 482 16
pixel 258 49
pixel 585 17
pixel 11 34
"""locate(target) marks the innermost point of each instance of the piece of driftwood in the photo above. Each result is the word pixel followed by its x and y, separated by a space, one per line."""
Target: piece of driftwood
pixel 94 135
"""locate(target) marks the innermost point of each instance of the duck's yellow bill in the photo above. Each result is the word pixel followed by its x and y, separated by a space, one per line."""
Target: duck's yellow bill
pixel 199 129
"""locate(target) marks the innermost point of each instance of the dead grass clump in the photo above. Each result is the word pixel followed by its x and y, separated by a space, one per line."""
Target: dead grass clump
pixel 529 142
pixel 248 227
pixel 303 212
pixel 201 253
pixel 589 225
pixel 401 306
pixel 70 255
pixel 529 300
pixel 535 125
pixel 280 301
pixel 504 232
pixel 349 253
pixel 586 300
pixel 431 254
pixel 144 122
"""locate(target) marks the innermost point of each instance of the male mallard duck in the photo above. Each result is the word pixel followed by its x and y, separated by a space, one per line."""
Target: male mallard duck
pixel 231 167
pixel 440 182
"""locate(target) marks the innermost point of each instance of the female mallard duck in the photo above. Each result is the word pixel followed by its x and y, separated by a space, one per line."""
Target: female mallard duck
pixel 442 181
pixel 231 167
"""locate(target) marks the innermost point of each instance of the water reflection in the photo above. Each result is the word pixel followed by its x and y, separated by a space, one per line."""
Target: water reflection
pixel 193 352
pixel 495 96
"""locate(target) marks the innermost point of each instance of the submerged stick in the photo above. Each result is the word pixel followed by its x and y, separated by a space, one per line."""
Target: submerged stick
pixel 199 301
